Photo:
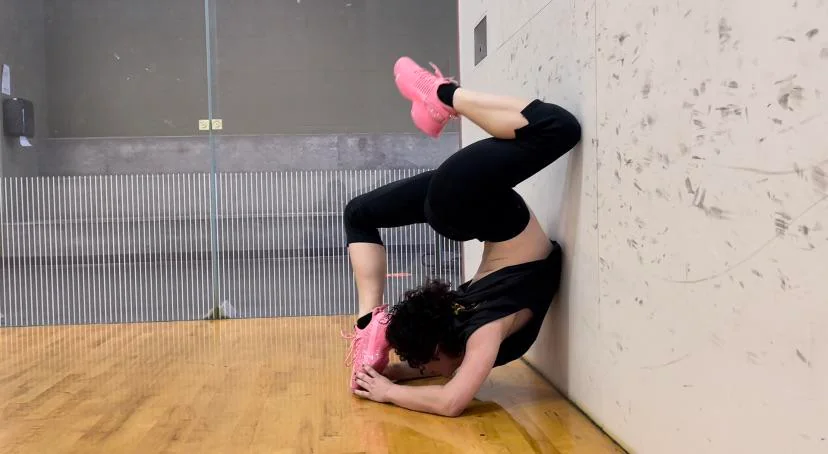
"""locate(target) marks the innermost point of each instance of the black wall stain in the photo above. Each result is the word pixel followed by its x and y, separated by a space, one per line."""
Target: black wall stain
pixel 783 100
pixel 787 79
pixel 819 178
pixel 724 31
pixel 802 357
pixel 716 212
pixel 700 195
pixel 812 32
pixel 730 109
pixel 645 90
pixel 792 93
pixel 799 171
pixel 689 185
pixel 782 222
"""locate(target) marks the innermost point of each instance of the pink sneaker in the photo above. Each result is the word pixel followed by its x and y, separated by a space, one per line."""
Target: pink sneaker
pixel 369 346
pixel 420 87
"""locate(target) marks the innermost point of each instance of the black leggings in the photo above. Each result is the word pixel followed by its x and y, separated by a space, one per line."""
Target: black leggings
pixel 471 195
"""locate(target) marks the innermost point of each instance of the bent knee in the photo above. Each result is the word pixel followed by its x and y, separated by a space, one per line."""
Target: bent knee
pixel 354 212
pixel 568 128
pixel 573 132
pixel 358 225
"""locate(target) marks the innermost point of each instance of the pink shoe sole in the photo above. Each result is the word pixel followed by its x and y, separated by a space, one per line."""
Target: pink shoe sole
pixel 425 122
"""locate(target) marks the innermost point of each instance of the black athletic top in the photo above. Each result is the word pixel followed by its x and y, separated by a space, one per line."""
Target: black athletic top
pixel 530 285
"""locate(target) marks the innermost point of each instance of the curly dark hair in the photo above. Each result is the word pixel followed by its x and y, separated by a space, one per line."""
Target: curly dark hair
pixel 423 321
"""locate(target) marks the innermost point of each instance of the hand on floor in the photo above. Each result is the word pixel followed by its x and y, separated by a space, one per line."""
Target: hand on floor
pixel 373 385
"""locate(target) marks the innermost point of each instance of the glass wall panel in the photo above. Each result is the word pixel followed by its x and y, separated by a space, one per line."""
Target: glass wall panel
pixel 106 216
pixel 311 118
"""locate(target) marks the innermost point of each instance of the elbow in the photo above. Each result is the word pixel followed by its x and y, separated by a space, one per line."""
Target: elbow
pixel 452 408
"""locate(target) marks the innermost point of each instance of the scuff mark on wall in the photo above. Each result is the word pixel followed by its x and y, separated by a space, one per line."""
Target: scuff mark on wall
pixel 819 178
pixel 778 172
pixel 668 363
pixel 724 31
pixel 782 221
pixel 790 96
pixel 750 256
pixel 802 357
pixel 730 109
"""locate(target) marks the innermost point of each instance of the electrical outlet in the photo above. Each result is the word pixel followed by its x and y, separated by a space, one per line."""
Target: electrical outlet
pixel 480 38
pixel 203 125
pixel 218 125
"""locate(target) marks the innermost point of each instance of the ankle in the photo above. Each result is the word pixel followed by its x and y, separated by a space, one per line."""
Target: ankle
pixel 363 320
pixel 445 93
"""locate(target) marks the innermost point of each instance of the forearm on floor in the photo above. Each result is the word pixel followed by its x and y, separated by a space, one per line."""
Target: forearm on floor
pixel 426 399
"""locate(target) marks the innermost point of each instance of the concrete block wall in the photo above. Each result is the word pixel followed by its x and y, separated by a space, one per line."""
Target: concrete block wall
pixel 693 315
pixel 243 153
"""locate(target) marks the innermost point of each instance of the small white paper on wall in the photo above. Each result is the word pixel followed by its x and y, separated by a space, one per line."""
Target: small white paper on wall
pixel 6 80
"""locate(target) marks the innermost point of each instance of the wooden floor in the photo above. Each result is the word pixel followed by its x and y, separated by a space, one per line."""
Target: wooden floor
pixel 239 386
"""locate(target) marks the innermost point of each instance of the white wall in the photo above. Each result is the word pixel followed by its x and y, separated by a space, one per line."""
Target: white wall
pixel 694 313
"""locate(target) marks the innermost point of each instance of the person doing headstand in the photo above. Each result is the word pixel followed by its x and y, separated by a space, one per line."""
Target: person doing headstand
pixel 493 318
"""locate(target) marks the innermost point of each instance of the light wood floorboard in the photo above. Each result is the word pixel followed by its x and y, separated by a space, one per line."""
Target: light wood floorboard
pixel 248 386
